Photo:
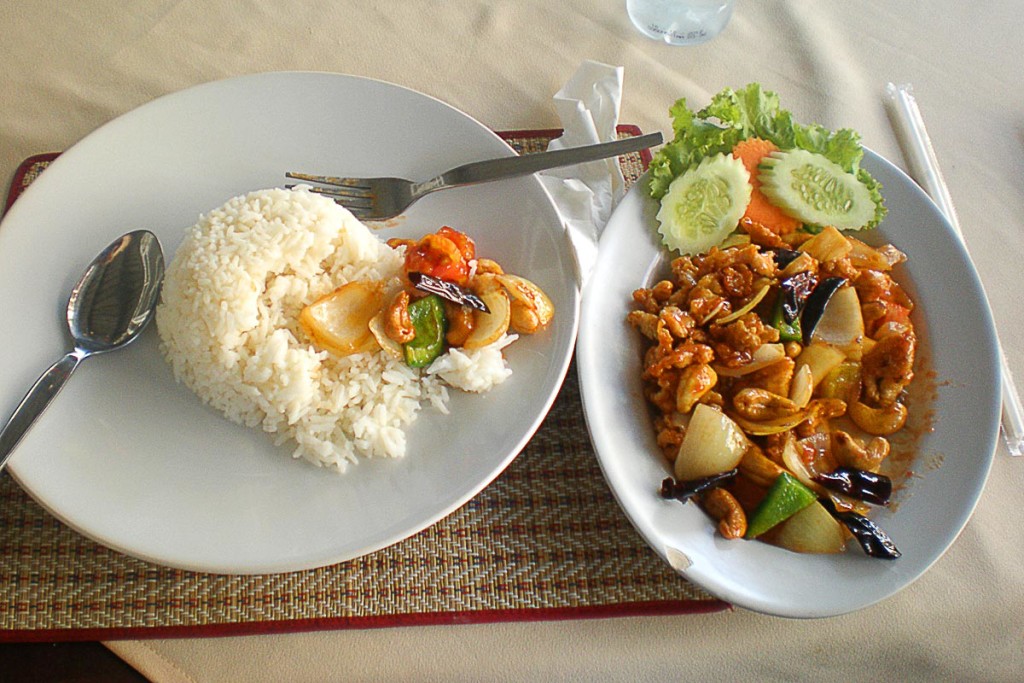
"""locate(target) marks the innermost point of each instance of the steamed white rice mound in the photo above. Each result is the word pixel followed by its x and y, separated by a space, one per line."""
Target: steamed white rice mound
pixel 228 323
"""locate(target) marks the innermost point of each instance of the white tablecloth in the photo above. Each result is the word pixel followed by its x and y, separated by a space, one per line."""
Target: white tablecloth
pixel 68 67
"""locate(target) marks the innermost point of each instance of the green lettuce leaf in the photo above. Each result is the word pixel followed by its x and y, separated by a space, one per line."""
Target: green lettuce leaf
pixel 734 115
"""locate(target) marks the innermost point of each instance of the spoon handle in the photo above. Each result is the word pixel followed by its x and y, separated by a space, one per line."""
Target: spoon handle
pixel 38 397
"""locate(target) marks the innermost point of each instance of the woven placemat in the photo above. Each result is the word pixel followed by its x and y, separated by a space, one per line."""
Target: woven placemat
pixel 546 540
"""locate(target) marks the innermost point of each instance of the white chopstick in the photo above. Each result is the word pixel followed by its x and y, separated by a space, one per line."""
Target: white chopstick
pixel 924 167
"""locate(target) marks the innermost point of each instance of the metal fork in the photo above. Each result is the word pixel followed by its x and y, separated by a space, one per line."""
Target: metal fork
pixel 382 198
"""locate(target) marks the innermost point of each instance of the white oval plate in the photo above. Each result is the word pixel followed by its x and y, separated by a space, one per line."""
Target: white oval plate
pixel 135 461
pixel 930 512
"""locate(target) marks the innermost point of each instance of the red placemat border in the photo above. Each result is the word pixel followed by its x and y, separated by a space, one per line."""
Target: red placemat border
pixel 18 181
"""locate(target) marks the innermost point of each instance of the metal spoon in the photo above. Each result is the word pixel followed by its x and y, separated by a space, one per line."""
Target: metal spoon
pixel 108 308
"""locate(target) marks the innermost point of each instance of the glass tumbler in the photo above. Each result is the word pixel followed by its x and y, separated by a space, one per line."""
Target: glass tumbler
pixel 680 22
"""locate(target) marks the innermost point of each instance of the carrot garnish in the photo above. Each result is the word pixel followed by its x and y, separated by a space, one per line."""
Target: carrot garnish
pixel 751 151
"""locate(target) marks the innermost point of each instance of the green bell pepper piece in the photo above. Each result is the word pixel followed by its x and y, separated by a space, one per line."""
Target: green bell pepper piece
pixel 431 325
pixel 787 331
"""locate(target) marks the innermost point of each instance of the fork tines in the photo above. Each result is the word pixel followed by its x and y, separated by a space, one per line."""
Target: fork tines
pixel 351 191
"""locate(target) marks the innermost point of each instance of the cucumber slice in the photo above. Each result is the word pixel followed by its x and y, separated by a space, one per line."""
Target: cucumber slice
pixel 704 205
pixel 815 190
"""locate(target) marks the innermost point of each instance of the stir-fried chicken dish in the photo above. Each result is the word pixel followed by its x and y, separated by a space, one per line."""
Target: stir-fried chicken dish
pixel 777 371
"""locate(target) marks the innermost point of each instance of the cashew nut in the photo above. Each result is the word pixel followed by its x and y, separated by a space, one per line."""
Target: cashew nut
pixel 726 510
pixel 532 309
pixel 878 421
pixel 819 412
pixel 758 467
pixel 486 265
pixel 759 404
pixel 889 366
pixel 848 451
pixel 524 318
pixel 460 323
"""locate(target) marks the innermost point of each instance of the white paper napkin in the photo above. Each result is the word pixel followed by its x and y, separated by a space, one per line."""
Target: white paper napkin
pixel 586 194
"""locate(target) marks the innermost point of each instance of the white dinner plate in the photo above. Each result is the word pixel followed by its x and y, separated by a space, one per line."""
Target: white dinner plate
pixel 952 461
pixel 133 460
